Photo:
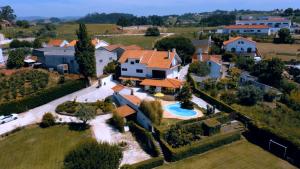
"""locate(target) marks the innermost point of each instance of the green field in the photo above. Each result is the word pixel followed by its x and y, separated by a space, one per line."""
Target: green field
pixel 37 148
pixel 239 155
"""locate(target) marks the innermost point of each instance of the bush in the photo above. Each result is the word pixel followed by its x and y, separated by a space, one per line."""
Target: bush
pixel 199 68
pixel 228 97
pixel 91 154
pixel 270 96
pixel 149 164
pixel 48 120
pixel 153 110
pixel 69 107
pixel 145 139
pixel 185 96
pixel 16 59
pixel 110 67
pixel 249 95
pixel 41 97
pixel 175 154
pixel 118 122
pixel 229 57
pixel 152 31
pixel 245 63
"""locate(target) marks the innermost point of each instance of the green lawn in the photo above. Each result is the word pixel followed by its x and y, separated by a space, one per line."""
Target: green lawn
pixel 143 41
pixel 37 148
pixel 239 155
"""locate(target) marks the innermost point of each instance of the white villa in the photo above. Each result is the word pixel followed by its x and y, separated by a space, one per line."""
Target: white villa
pixel 240 45
pixel 157 70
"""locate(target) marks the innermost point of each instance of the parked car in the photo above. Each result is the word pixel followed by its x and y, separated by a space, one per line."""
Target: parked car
pixel 8 118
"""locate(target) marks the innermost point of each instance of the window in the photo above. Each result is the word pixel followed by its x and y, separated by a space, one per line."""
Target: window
pixel 110 58
pixel 139 70
pixel 132 62
pixel 242 42
pixel 124 69
pixel 126 61
pixel 137 61
pixel 258 30
pixel 100 60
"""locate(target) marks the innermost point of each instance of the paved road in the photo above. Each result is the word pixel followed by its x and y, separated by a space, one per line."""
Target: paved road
pixel 90 94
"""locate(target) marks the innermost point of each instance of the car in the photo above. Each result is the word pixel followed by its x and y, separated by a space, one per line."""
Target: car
pixel 8 118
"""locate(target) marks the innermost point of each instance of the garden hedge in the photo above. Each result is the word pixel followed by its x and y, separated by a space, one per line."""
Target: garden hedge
pixel 175 154
pixel 145 138
pixel 41 97
pixel 148 164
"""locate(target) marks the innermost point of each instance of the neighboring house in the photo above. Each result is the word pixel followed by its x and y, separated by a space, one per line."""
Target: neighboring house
pixel 213 61
pixel 240 45
pixel 151 68
pixel 204 45
pixel 120 49
pixel 247 29
pixel 64 57
pixel 57 43
pixel 1 57
pixel 129 106
pixel 5 23
pixel 275 23
pixel 96 42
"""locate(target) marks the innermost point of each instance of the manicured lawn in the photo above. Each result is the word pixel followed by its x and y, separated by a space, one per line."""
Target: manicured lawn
pixel 143 41
pixel 37 148
pixel 284 51
pixel 242 155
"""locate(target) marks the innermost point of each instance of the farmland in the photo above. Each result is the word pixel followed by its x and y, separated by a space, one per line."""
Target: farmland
pixel 285 52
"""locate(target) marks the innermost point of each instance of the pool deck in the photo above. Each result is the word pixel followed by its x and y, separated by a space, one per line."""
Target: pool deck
pixel 166 114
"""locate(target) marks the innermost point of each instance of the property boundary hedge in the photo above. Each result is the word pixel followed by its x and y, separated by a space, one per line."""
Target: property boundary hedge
pixel 145 138
pixel 175 154
pixel 148 164
pixel 41 97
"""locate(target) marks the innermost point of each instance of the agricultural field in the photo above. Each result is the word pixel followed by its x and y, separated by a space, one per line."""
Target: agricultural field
pixel 241 154
pixel 37 148
pixel 285 52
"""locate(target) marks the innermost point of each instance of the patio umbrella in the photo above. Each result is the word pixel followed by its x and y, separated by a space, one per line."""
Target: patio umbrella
pixel 159 95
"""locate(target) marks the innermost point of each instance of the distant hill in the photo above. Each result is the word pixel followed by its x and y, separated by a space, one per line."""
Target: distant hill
pixel 105 18
pixel 41 18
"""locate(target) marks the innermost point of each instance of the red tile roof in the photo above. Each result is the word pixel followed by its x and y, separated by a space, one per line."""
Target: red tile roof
pixel 118 88
pixel 55 42
pixel 206 57
pixel 116 46
pixel 247 27
pixel 133 99
pixel 168 83
pixel 125 111
pixel 151 58
pixel 237 38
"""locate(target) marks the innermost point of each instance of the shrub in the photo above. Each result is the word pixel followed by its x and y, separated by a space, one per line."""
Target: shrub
pixel 69 107
pixel 48 120
pixel 91 154
pixel 41 97
pixel 229 57
pixel 152 31
pixel 110 67
pixel 270 96
pixel 153 110
pixel 249 95
pixel 178 136
pixel 228 97
pixel 149 164
pixel 245 63
pixel 127 166
pixel 85 113
pixel 185 96
pixel 199 68
pixel 118 121
pixel 16 59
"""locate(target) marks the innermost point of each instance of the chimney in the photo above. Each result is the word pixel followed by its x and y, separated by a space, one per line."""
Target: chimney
pixel 199 55
pixel 174 50
pixel 169 54
pixel 155 49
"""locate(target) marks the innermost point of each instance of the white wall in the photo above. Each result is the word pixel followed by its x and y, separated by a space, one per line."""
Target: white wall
pixel 131 69
pixel 241 46
pixel 248 31
pixel 103 57
pixel 215 70
pixel 1 57
pixel 281 24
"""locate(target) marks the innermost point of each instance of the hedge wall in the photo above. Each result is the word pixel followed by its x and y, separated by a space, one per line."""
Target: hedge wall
pixel 145 138
pixel 175 154
pixel 148 164
pixel 41 97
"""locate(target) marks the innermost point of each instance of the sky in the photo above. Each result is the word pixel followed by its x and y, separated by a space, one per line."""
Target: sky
pixel 60 8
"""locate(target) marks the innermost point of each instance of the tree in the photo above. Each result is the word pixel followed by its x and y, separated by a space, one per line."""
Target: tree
pixel 23 23
pixel 183 46
pixel 85 113
pixel 284 36
pixel 229 57
pixel 110 67
pixel 218 20
pixel 37 43
pixel 93 155
pixel 16 58
pixel 20 44
pixel 249 95
pixel 152 31
pixel 199 68
pixel 228 97
pixel 85 53
pixel 118 121
pixel 269 71
pixel 185 96
pixel 245 63
pixel 156 20
pixel 123 22
pixel 48 120
pixel 7 13
pixel 153 110
pixel 288 12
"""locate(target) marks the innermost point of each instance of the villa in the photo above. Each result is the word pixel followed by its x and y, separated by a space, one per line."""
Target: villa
pixel 247 29
pixel 240 45
pixel 155 70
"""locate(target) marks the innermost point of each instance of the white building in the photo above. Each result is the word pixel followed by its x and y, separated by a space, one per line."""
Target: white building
pixel 240 45
pixel 275 23
pixel 151 68
pixel 1 57
pixel 247 29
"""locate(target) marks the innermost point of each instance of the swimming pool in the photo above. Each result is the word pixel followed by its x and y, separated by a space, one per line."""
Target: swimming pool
pixel 176 110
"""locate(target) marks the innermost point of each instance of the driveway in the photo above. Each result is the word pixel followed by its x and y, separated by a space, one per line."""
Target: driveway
pixel 90 94
pixel 201 103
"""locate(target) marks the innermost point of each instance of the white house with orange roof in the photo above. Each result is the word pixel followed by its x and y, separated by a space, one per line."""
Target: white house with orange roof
pixel 240 45
pixel 151 68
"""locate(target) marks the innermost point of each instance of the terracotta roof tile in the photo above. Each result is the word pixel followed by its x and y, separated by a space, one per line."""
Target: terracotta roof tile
pixel 247 27
pixel 237 38
pixel 125 111
pixel 55 42
pixel 205 58
pixel 133 99
pixel 118 88
pixel 151 58
pixel 72 43
pixel 168 83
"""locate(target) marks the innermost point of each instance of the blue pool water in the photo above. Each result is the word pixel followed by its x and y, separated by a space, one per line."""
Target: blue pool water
pixel 176 110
